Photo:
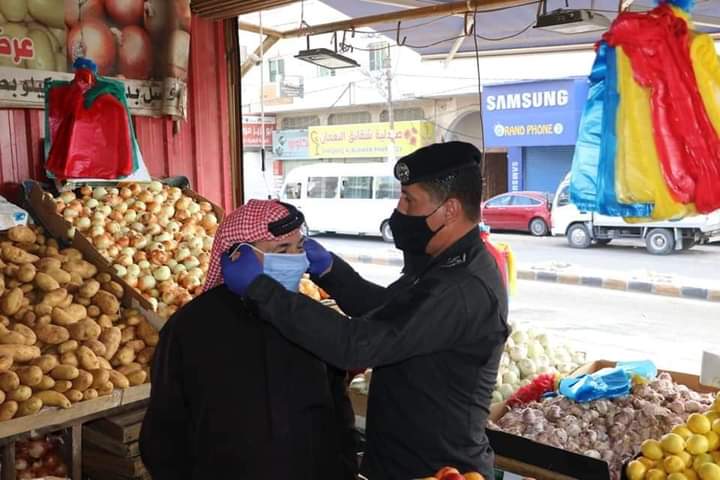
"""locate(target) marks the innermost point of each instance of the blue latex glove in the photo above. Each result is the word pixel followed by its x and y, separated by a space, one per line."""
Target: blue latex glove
pixel 239 274
pixel 319 258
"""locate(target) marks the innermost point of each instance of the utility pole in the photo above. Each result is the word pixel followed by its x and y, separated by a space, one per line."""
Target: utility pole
pixel 391 116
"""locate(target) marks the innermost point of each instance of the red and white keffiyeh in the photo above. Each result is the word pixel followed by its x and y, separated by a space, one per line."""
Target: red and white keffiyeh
pixel 247 224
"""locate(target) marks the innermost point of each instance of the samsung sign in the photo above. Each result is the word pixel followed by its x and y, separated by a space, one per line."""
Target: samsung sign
pixel 534 113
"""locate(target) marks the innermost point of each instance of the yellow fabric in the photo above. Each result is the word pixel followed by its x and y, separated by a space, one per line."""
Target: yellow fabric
pixel 639 177
pixel 707 74
pixel 511 266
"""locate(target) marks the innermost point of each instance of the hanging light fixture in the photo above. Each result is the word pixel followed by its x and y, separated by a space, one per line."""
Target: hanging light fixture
pixel 326 58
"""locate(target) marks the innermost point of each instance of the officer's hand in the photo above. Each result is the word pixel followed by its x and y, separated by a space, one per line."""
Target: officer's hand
pixel 319 258
pixel 240 273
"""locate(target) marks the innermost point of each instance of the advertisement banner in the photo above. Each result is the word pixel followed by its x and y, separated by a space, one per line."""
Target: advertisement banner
pixel 290 144
pixel 257 132
pixel 532 114
pixel 369 140
pixel 144 43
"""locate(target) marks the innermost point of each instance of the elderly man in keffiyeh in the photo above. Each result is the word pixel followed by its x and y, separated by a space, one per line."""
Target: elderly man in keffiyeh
pixel 231 397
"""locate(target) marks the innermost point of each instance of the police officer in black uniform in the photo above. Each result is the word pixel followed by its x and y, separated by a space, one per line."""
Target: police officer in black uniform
pixel 434 337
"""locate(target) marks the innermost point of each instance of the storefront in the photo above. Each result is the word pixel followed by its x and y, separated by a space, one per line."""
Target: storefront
pixel 537 122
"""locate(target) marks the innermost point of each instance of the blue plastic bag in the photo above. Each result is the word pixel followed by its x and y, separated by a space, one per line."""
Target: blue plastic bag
pixel 607 383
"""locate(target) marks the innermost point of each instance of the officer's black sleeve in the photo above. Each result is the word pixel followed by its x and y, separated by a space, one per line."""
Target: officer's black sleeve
pixel 163 438
pixel 355 295
pixel 426 318
pixel 345 417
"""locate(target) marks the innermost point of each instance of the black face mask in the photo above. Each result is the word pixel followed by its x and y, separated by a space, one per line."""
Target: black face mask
pixel 411 233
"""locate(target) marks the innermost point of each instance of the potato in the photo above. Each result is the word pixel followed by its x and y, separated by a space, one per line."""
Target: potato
pixel 30 376
pixel 55 297
pixel 124 356
pixel 8 410
pixel 70 358
pixel 29 407
pixel 130 368
pixel 114 288
pixel 134 319
pixel 46 363
pixel 67 301
pixel 105 321
pixel 145 356
pixel 26 273
pixel 65 372
pixel 104 277
pixel 43 309
pixel 94 311
pixel 6 361
pixel 12 302
pixel 96 346
pixel 69 346
pixel 18 255
pixel 62 386
pixel 106 389
pixel 22 393
pixel 119 380
pixel 111 338
pixel 74 395
pixel 108 303
pixel 84 269
pixel 60 276
pixel 9 381
pixel 71 254
pixel 13 338
pixel 52 334
pixel 53 399
pixel 47 264
pixel 104 363
pixel 100 377
pixel 45 282
pixel 137 345
pixel 20 233
pixel 63 317
pixel 137 378
pixel 46 383
pixel 86 329
pixel 20 353
pixel 88 359
pixel 89 288
pixel 83 381
pixel 26 332
pixel 43 320
pixel 90 394
pixel 128 334
pixel 4 321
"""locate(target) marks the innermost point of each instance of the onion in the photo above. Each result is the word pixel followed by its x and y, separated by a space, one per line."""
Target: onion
pixel 37 448
pixel 99 43
pixel 162 273
pixel 88 9
pixel 99 193
pixel 155 186
pixel 146 283
pixel 69 213
pixel 133 270
pixel 67 197
pixel 125 12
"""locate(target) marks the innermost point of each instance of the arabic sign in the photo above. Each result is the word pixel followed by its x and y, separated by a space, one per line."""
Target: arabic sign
pixel 369 140
pixel 25 89
pixel 533 113
pixel 150 44
pixel 257 131
pixel 290 144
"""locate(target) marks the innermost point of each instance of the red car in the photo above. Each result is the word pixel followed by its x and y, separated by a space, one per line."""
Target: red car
pixel 523 211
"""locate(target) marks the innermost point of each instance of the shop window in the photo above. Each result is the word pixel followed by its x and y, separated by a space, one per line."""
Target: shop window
pixel 522 201
pixel 299 123
pixel 403 115
pixel 277 69
pixel 356 187
pixel 347 118
pixel 379 56
pixel 322 187
pixel 500 201
pixel 387 188
pixel 292 191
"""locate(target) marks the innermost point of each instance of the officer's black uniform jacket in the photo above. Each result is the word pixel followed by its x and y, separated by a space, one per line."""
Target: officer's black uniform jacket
pixel 232 398
pixel 434 339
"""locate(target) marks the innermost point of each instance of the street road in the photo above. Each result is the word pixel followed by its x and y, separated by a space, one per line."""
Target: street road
pixel 701 262
pixel 608 324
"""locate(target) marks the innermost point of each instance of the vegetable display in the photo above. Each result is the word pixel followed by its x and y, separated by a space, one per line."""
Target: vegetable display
pixel 452 473
pixel 39 457
pixel 157 238
pixel 610 430
pixel 64 336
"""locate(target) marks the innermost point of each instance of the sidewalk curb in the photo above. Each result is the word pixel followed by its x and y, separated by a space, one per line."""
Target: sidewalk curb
pixel 611 283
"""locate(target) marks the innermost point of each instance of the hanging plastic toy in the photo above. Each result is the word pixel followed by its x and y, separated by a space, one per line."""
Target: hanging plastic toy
pixel 90 133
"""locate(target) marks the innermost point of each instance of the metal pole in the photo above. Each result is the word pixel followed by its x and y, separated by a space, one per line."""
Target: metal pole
pixel 391 114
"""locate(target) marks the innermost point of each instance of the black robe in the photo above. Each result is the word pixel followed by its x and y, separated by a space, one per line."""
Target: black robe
pixel 232 398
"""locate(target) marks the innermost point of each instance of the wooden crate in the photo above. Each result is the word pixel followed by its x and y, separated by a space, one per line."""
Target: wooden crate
pixel 111 447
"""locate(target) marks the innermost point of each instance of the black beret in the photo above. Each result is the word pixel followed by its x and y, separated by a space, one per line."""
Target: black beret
pixel 436 160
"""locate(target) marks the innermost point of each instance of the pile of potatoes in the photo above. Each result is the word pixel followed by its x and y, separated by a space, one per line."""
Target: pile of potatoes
pixel 64 336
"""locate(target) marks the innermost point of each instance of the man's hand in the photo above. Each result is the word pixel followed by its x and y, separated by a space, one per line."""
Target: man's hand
pixel 319 258
pixel 240 273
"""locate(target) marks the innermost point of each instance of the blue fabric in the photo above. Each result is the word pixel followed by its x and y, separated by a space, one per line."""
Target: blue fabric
pixel 686 5
pixel 286 268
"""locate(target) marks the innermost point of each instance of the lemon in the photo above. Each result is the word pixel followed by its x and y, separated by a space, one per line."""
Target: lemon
pixel 713 441
pixel 652 450
pixel 655 474
pixel 676 476
pixel 715 457
pixel 672 443
pixel 716 426
pixel 687 458
pixel 709 471
pixel 697 444
pixel 647 462
pixel 673 464
pixel 636 470
pixel 712 416
pixel 682 430
pixel 701 460
pixel 690 474
pixel 699 423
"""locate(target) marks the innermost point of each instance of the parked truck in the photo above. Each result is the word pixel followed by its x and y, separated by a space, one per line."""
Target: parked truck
pixel 583 229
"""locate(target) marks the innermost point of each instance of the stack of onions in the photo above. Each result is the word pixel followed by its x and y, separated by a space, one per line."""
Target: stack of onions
pixel 39 458
pixel 157 238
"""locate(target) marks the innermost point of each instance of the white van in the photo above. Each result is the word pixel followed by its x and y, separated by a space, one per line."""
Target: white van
pixel 661 238
pixel 350 198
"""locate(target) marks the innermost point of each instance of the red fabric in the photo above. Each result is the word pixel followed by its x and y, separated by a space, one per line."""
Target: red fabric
pixel 88 143
pixel 247 224
pixel 533 392
pixel 657 44
pixel 499 257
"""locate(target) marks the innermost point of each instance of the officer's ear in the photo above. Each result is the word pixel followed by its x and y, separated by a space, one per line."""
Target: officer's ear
pixel 453 210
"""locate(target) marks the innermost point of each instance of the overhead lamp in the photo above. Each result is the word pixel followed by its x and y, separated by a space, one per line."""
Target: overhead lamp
pixel 326 58
pixel 572 21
